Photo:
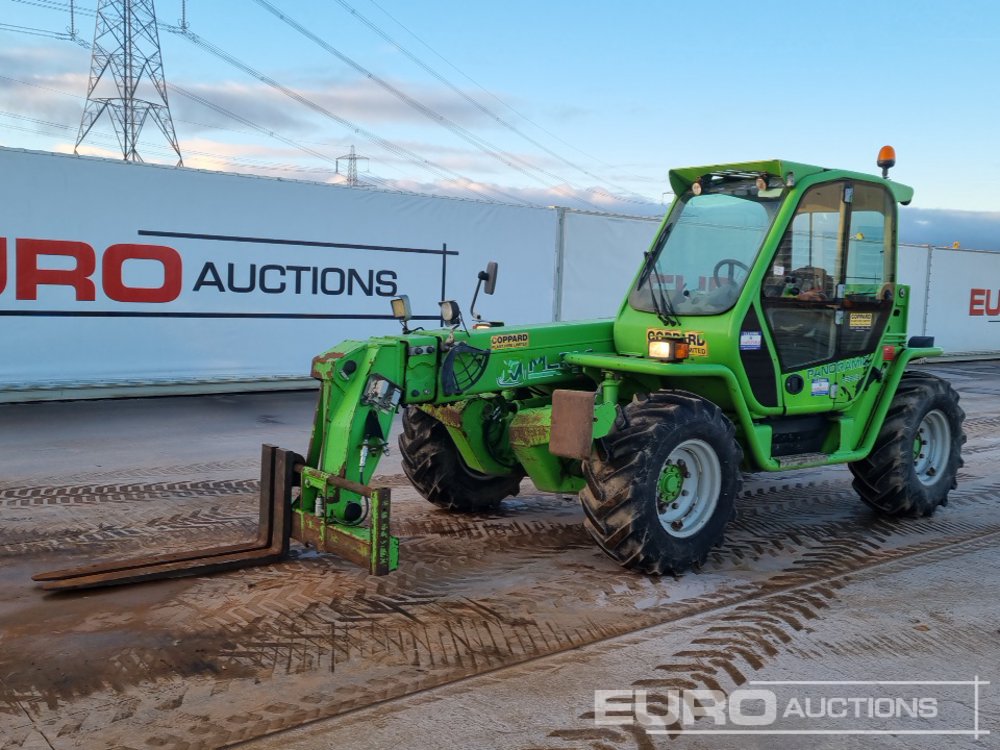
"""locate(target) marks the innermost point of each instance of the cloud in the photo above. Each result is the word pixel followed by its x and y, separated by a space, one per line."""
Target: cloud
pixel 565 196
pixel 41 97
pixel 359 101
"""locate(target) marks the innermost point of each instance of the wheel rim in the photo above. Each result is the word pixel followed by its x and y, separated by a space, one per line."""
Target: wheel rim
pixel 687 490
pixel 931 447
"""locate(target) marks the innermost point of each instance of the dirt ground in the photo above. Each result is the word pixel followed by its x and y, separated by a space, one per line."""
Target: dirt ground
pixel 494 632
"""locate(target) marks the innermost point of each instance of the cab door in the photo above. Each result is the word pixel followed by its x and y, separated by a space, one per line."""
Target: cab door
pixel 867 287
pixel 800 302
pixel 828 293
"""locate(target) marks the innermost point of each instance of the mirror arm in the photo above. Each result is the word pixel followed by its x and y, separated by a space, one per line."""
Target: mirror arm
pixel 472 307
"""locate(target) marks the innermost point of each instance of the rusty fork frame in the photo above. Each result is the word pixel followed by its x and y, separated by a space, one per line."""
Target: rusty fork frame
pixel 280 471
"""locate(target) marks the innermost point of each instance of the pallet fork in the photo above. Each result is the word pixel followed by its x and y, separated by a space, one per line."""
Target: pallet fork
pixel 279 522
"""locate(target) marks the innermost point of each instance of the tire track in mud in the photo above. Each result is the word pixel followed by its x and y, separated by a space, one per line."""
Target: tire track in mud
pixel 175 471
pixel 418 656
pixel 61 495
pixel 732 646
pixel 419 628
pixel 218 660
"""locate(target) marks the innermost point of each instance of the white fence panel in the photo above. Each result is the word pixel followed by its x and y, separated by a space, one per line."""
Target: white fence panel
pixel 963 303
pixel 913 265
pixel 601 255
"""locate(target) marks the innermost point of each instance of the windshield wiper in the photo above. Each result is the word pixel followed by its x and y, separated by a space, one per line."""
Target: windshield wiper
pixel 662 304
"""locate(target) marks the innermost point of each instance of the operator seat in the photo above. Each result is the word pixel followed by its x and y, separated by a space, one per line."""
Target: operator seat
pixel 812 279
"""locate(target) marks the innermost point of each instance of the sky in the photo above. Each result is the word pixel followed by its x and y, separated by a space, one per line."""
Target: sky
pixel 559 102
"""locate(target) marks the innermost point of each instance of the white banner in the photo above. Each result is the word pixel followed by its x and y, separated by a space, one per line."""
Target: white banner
pixel 114 272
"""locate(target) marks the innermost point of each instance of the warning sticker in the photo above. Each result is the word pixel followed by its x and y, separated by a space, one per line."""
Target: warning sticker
pixel 858 321
pixel 509 341
pixel 820 387
pixel 750 340
pixel 698 347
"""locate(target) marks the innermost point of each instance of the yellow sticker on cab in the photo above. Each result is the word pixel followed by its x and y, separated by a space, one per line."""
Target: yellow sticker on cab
pixel 510 341
pixel 859 321
pixel 695 340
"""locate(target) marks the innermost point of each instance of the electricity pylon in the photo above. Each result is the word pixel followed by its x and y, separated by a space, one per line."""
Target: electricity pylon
pixel 352 160
pixel 127 52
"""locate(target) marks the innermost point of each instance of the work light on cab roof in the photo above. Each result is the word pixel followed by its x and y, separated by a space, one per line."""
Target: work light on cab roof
pixel 886 160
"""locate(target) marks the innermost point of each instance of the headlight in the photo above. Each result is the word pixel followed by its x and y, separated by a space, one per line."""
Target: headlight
pixel 672 350
pixel 661 349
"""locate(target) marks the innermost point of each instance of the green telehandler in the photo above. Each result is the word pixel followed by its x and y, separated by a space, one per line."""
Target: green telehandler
pixel 765 330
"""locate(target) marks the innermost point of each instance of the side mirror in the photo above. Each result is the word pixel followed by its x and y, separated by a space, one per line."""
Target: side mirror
pixel 490 277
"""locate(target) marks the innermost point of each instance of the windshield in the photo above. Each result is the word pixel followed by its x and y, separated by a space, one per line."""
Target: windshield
pixel 704 253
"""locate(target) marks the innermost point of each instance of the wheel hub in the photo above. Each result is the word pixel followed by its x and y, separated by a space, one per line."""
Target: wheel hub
pixel 931 447
pixel 688 487
pixel 671 483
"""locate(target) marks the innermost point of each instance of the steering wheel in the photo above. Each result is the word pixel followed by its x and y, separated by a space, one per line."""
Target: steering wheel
pixel 733 264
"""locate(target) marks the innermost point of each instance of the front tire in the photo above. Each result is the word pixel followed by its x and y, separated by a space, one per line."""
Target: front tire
pixel 435 468
pixel 659 496
pixel 915 461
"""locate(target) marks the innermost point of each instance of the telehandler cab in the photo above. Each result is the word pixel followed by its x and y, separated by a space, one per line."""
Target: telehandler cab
pixel 764 331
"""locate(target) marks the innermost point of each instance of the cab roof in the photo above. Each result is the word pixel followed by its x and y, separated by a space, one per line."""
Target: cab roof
pixel 682 178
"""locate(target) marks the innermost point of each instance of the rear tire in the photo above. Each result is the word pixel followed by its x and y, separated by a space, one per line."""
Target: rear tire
pixel 436 469
pixel 915 461
pixel 660 494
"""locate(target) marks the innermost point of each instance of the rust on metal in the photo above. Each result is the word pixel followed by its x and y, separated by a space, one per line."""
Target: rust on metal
pixel 322 359
pixel 339 482
pixel 324 537
pixel 367 548
pixel 530 427
pixel 271 544
pixel 450 415
pixel 572 431
pixel 379 563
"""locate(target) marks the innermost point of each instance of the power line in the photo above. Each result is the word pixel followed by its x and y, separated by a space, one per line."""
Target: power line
pixel 105 137
pixel 35 32
pixel 486 147
pixel 475 103
pixel 486 91
pixel 235 162
pixel 389 146
pixel 249 123
pixel 49 123
pixel 194 97
pixel 54 5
